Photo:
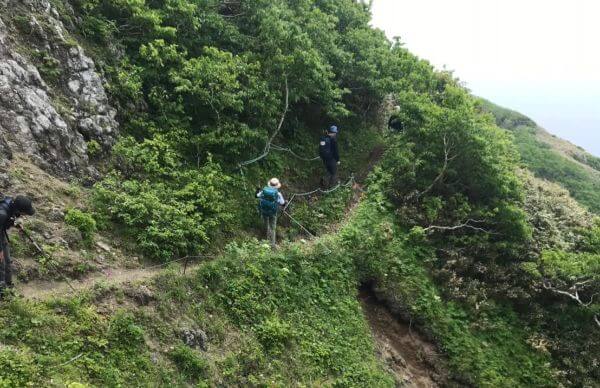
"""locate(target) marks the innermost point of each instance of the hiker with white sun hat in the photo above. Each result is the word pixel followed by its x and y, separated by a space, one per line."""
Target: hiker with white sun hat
pixel 270 198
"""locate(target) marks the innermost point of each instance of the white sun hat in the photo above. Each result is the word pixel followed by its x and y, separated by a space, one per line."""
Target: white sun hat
pixel 274 182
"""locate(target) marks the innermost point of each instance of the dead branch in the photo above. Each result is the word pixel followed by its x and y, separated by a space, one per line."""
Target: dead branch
pixel 467 224
pixel 285 110
pixel 267 148
pixel 573 295
pixel 440 176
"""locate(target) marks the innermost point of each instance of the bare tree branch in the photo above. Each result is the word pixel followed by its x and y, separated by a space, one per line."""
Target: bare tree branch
pixel 285 110
pixel 573 295
pixel 440 176
pixel 467 224
pixel 267 148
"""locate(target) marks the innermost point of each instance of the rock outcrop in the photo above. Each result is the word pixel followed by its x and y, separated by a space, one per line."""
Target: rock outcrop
pixel 52 100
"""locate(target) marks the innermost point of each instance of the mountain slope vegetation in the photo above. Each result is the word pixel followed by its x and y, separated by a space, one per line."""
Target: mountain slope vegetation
pixel 552 158
pixel 495 267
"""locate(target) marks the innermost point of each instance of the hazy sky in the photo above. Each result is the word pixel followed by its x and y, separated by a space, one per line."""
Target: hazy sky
pixel 539 57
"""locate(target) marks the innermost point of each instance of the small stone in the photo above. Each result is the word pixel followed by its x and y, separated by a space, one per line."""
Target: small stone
pixel 103 246
pixel 47 235
pixel 195 338
pixel 72 236
pixel 56 215
pixel 74 85
pixel 142 295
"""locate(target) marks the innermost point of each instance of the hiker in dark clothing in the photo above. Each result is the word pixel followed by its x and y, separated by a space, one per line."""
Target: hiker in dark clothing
pixel 328 151
pixel 10 211
pixel 395 122
pixel 268 206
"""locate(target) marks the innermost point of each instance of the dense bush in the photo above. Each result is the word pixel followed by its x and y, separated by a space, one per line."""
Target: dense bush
pixel 202 87
pixel 84 222
pixel 175 215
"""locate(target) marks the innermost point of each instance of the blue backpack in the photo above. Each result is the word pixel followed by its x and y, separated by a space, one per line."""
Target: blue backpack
pixel 267 204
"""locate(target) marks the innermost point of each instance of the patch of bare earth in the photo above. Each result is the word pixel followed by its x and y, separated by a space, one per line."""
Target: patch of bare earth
pixel 42 289
pixel 408 356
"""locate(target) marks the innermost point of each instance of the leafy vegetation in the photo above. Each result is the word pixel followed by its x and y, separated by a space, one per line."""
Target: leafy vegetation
pixel 285 307
pixel 202 87
pixel 84 222
pixel 450 232
pixel 556 161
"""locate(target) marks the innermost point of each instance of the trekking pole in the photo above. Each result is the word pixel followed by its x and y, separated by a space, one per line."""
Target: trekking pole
pixel 298 223
pixel 45 254
pixel 28 236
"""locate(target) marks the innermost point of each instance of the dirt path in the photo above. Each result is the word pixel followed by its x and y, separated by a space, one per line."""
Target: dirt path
pixel 42 289
pixel 409 357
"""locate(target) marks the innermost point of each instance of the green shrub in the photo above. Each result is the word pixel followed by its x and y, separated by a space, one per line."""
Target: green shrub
pixel 125 332
pixel 84 222
pixel 97 29
pixel 93 148
pixel 274 334
pixel 189 362
pixel 48 66
pixel 17 369
pixel 170 210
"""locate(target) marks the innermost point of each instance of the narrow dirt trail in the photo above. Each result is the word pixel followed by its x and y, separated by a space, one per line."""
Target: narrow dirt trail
pixel 43 289
pixel 410 358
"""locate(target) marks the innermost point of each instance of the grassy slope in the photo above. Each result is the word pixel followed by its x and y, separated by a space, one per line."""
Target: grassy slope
pixel 552 158
pixel 284 317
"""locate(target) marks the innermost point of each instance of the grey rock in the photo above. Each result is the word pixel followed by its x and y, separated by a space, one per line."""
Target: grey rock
pixel 4 180
pixel 56 215
pixel 72 236
pixel 53 132
pixel 103 246
pixel 142 295
pixel 195 338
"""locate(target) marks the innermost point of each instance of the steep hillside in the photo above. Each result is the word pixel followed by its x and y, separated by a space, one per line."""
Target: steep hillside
pixel 552 158
pixel 53 105
pixel 437 260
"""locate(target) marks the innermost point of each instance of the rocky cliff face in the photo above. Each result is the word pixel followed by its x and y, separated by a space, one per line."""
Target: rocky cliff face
pixel 53 105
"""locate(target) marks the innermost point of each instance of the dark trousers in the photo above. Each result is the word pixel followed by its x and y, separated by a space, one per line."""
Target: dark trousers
pixel 5 267
pixel 331 167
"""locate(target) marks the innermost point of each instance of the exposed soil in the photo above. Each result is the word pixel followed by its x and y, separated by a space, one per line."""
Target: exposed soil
pixel 42 289
pixel 408 356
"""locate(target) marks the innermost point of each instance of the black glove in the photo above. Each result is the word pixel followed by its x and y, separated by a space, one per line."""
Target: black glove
pixel 10 223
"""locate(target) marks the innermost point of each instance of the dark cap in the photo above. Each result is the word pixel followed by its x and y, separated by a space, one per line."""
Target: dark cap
pixel 23 205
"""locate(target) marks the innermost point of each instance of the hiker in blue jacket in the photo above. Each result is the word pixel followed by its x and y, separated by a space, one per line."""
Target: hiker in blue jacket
pixel 270 198
pixel 10 211
pixel 328 151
